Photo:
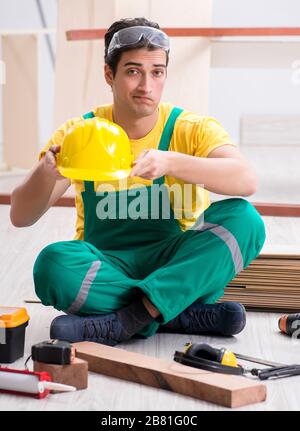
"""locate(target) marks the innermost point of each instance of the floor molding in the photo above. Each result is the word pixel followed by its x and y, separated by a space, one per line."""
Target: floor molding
pixel 264 208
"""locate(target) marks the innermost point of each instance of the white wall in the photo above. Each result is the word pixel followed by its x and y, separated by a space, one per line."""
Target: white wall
pixel 233 92
pixel 256 13
pixel 236 92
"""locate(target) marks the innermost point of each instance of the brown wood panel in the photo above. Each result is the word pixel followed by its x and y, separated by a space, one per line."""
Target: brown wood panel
pixel 74 374
pixel 277 209
pixel 65 201
pixel 20 100
pixel 91 34
pixel 270 282
pixel 264 208
pixel 4 199
pixel 225 390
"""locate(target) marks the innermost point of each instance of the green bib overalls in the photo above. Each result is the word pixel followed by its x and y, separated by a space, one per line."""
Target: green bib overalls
pixel 148 251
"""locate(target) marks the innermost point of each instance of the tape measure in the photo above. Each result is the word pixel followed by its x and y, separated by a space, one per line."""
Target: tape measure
pixel 53 352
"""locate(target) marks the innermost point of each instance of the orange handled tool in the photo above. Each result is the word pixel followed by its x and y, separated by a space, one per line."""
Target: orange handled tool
pixel 289 324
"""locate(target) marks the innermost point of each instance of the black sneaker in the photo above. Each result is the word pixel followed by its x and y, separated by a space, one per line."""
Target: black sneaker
pixel 228 318
pixel 100 328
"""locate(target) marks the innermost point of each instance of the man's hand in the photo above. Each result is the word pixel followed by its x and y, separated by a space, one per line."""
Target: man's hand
pixel 49 163
pixel 151 164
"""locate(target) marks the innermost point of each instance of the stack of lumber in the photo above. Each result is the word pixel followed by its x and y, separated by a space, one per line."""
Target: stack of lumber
pixel 270 282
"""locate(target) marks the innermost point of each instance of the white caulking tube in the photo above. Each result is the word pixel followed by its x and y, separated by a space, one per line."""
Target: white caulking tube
pixel 31 383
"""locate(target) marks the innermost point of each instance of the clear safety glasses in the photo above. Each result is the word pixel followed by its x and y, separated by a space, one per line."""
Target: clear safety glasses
pixel 131 36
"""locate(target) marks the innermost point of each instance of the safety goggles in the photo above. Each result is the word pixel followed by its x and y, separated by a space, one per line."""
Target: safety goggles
pixel 131 36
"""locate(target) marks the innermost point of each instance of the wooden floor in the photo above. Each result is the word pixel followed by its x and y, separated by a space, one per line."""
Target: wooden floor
pixel 261 338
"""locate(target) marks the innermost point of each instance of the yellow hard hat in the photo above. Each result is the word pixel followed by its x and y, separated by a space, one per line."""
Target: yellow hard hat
pixel 95 149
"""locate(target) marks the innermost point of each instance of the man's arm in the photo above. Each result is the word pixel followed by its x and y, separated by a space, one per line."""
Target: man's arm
pixel 224 171
pixel 39 191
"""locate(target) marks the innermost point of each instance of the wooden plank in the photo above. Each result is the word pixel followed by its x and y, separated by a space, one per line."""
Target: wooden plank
pixel 270 282
pixel 277 209
pixel 4 199
pixel 66 201
pixel 283 276
pixel 74 374
pixel 92 34
pixel 20 144
pixel 265 209
pixel 225 390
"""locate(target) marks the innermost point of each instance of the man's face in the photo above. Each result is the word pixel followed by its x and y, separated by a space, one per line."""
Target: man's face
pixel 139 81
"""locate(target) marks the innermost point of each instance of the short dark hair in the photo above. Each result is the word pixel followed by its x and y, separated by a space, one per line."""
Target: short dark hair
pixel 113 60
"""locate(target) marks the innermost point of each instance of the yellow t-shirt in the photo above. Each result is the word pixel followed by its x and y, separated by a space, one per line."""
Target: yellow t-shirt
pixel 193 134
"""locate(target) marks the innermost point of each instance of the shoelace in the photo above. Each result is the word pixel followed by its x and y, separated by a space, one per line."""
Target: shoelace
pixel 205 319
pixel 99 330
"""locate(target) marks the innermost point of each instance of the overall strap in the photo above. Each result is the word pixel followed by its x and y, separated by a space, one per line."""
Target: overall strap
pixel 167 133
pixel 88 115
pixel 164 142
pixel 89 185
pixel 166 136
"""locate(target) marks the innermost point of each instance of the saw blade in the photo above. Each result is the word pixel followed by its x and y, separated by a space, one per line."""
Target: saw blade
pixel 258 360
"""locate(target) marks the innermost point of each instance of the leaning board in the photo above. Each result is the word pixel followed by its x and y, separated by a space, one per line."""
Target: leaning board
pixel 225 390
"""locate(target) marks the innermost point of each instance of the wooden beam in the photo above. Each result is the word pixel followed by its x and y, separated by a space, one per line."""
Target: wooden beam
pixel 264 208
pixel 277 209
pixel 65 201
pixel 4 199
pixel 225 390
pixel 73 374
pixel 92 34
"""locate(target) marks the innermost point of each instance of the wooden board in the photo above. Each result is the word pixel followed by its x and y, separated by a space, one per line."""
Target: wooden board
pixel 92 34
pixel 74 374
pixel 270 282
pixel 264 208
pixel 20 101
pixel 225 390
